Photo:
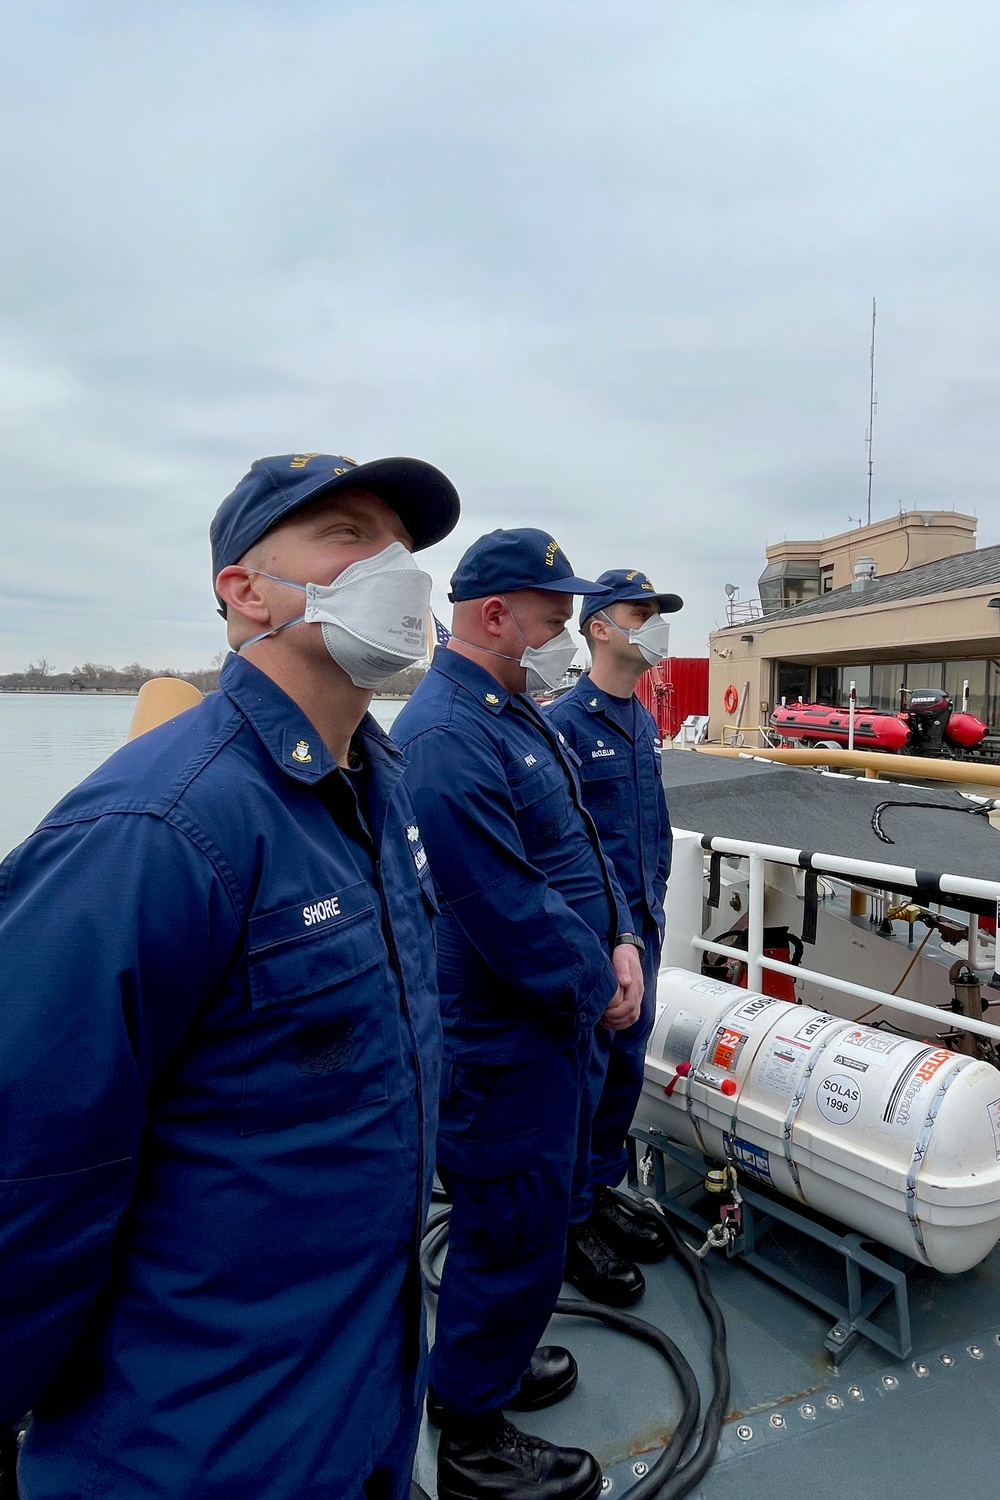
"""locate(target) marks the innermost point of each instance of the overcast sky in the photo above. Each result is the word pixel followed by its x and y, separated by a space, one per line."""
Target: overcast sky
pixel 608 263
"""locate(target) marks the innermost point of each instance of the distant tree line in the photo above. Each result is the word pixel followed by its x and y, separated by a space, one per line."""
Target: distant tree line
pixel 94 677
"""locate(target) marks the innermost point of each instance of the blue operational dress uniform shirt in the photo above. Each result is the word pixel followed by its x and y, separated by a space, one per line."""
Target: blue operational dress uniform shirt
pixel 618 746
pixel 219 1069
pixel 530 911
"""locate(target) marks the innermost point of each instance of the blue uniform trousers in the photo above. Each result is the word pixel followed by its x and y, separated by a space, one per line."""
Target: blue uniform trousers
pixel 392 1477
pixel 509 1138
pixel 613 1086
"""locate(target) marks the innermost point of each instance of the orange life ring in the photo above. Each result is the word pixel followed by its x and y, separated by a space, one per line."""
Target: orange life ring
pixel 731 700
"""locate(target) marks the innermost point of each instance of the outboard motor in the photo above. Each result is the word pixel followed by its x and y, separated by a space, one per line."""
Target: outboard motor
pixel 927 713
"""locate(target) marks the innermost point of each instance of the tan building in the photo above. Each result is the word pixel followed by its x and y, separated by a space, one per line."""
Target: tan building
pixel 797 571
pixel 932 623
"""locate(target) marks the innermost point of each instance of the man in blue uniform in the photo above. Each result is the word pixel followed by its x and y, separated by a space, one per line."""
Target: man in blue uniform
pixel 220 1044
pixel 618 745
pixel 535 949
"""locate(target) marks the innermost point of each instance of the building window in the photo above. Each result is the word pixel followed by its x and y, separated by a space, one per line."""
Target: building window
pixel 826 579
pixel 887 679
pixel 828 686
pixel 792 681
pixel 861 675
pixel 975 673
pixel 924 674
pixel 784 584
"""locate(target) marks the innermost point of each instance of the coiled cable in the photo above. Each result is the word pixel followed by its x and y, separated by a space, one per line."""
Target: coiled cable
pixel 668 1478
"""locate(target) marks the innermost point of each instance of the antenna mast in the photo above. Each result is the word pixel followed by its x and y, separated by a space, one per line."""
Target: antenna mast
pixel 872 409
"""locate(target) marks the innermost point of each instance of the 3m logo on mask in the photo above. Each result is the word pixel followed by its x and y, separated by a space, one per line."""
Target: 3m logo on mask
pixel 550 553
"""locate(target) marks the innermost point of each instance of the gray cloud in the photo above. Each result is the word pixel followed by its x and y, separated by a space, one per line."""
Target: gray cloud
pixel 609 266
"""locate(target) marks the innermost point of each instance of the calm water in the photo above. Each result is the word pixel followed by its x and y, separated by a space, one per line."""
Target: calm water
pixel 49 742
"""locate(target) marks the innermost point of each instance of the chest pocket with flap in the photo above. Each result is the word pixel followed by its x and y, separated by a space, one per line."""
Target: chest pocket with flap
pixel 319 997
pixel 539 793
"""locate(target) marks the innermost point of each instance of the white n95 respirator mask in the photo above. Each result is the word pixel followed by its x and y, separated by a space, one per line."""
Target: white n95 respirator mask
pixel 652 638
pixel 373 616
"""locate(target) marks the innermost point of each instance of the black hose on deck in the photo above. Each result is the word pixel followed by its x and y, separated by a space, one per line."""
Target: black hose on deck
pixel 668 1479
pixel 691 1474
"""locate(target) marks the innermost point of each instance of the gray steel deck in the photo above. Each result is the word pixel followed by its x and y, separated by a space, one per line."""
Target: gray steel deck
pixel 875 1428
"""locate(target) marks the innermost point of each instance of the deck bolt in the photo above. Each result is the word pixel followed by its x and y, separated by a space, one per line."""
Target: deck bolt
pixel 890 1382
pixel 744 1432
pixel 808 1411
pixel 640 1469
pixel 834 1403
pixel 777 1420
pixel 855 1392
pixel 839 1333
pixel 948 1359
pixel 607 1485
pixel 975 1351
pixel 920 1369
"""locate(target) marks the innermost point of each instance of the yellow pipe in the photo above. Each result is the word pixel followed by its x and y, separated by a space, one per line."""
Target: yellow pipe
pixel 908 767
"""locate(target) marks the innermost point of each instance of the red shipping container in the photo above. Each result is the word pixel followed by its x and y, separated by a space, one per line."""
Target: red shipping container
pixel 675 689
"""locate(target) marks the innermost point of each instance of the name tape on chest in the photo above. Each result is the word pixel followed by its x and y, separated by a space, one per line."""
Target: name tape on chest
pixel 321 911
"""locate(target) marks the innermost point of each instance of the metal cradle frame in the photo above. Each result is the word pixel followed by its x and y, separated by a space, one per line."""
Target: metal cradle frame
pixel 885 1271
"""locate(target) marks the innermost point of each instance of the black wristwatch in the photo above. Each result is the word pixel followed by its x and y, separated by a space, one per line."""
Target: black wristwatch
pixel 632 938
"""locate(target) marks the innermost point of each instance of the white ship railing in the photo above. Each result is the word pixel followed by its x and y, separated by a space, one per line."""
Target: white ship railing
pixel 889 877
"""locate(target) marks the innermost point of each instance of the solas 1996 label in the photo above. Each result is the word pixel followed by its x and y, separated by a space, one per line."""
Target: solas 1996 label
pixel 839 1098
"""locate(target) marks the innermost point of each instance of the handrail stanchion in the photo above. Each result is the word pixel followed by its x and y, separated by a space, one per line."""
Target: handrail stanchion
pixel 851 707
pixel 755 924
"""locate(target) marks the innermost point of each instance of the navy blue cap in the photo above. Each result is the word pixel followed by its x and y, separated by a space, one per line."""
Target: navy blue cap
pixel 426 502
pixel 629 586
pixel 503 561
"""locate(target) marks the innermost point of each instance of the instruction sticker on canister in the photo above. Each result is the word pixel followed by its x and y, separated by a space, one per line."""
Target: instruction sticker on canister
pixel 749 1158
pixel 781 1064
pixel 728 1046
pixel 877 1049
pixel 812 1029
pixel 679 1042
pixel 751 1009
pixel 839 1098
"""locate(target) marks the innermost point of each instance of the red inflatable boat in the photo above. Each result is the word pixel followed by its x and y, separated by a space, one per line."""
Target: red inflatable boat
pixel 926 726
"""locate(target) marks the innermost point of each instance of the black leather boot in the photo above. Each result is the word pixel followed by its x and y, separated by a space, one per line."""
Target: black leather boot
pixel 598 1272
pixel 496 1461
pixel 551 1375
pixel 627 1227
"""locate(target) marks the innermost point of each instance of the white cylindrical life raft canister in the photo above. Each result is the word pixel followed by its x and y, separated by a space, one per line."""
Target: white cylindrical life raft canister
pixel 898 1139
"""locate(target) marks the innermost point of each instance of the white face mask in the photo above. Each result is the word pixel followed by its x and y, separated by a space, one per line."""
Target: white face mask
pixel 374 615
pixel 547 665
pixel 652 638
